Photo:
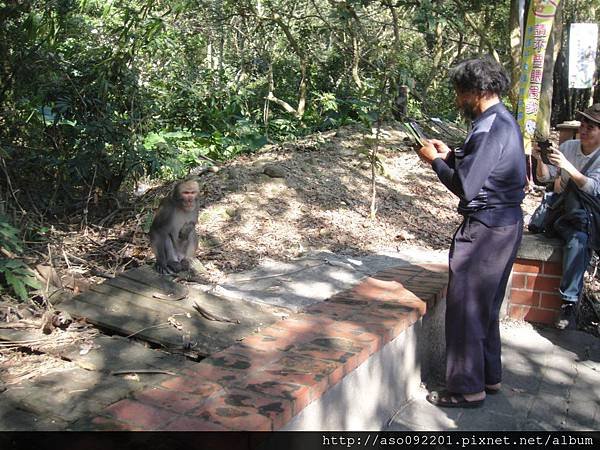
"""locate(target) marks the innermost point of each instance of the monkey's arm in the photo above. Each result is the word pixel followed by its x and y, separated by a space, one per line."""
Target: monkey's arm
pixel 162 246
pixel 161 237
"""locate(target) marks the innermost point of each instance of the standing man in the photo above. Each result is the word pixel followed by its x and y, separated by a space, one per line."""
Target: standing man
pixel 579 166
pixel 487 173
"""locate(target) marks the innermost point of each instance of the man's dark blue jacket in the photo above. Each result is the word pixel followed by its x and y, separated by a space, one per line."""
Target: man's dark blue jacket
pixel 488 173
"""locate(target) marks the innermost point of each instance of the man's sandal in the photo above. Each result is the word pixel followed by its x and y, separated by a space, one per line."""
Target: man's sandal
pixel 490 391
pixel 446 399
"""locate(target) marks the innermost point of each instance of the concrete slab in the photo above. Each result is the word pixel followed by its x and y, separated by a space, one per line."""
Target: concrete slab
pixel 300 283
pixel 70 394
pixel 549 384
pixel 113 353
pixel 12 418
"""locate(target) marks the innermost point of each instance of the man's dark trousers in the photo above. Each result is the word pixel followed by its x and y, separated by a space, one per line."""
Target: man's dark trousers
pixel 481 259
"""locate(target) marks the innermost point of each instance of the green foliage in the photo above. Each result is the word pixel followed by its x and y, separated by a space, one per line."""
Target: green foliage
pixel 94 93
pixel 172 154
pixel 17 276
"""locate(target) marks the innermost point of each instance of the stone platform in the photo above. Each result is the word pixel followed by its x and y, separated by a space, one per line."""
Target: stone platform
pixel 369 342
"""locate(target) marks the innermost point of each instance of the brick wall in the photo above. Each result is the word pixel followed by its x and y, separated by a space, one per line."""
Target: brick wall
pixel 533 293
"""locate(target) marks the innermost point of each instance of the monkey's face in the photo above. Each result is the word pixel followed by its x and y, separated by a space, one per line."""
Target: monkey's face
pixel 188 192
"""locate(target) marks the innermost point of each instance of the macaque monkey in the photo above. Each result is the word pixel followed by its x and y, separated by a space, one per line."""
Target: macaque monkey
pixel 173 230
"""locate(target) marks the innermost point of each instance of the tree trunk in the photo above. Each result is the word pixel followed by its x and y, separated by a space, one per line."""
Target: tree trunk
pixel 355 61
pixel 302 90
pixel 438 52
pixel 516 45
pixel 554 46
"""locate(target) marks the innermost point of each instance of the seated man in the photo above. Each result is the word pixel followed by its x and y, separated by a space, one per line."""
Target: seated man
pixel 578 162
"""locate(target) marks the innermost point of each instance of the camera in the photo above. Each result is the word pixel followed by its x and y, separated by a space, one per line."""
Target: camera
pixel 545 150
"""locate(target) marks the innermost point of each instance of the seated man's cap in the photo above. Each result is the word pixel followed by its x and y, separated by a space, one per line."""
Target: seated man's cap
pixel 592 113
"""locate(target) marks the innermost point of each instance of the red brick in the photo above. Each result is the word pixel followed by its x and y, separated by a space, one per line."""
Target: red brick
pixel 246 411
pixel 235 419
pixel 335 310
pixel 272 339
pixel 228 360
pixel 411 269
pixel 316 387
pixel 376 289
pixel 527 266
pixel 330 349
pixel 298 394
pixel 179 402
pixel 543 283
pixel 442 268
pixel 398 309
pixel 386 276
pixel 298 364
pixel 550 301
pixel 219 375
pixel 530 314
pixel 538 315
pixel 374 283
pixel 379 291
pixel 348 295
pixel 103 424
pixel 433 281
pixel 356 333
pixel 336 376
pixel 519 281
pixel 303 323
pixel 424 293
pixel 552 268
pixel 256 357
pixel 386 326
pixel 391 275
pixel 186 423
pixel 145 416
pixel 518 312
pixel 524 297
pixel 356 360
pixel 191 385
pixel 350 303
pixel 385 331
pixel 277 409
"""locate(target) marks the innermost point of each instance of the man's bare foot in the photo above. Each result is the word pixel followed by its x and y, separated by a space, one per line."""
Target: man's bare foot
pixel 493 388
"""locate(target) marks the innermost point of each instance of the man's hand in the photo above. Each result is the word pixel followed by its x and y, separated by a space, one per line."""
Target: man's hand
pixel 558 159
pixel 433 149
pixel 442 149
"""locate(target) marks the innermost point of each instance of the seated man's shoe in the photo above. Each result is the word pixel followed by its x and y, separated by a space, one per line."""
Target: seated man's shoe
pixel 566 319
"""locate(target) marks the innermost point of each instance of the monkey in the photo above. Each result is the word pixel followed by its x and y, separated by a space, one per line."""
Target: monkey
pixel 173 230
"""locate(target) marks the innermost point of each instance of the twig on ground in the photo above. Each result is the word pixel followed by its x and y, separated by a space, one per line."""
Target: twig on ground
pixel 213 317
pixel 66 258
pixel 7 253
pixel 148 371
pixel 10 186
pixel 86 209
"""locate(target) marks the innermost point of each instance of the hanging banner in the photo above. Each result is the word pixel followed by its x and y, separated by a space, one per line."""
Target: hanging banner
pixel 537 31
pixel 583 42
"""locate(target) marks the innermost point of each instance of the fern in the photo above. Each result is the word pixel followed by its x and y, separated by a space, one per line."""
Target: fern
pixel 17 276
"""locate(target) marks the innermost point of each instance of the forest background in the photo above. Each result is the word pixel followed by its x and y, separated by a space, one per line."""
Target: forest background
pixel 96 95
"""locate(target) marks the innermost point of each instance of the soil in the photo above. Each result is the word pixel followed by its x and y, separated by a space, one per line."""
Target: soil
pixel 320 199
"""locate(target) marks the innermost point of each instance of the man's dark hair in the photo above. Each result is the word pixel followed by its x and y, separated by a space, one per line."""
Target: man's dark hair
pixel 481 75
